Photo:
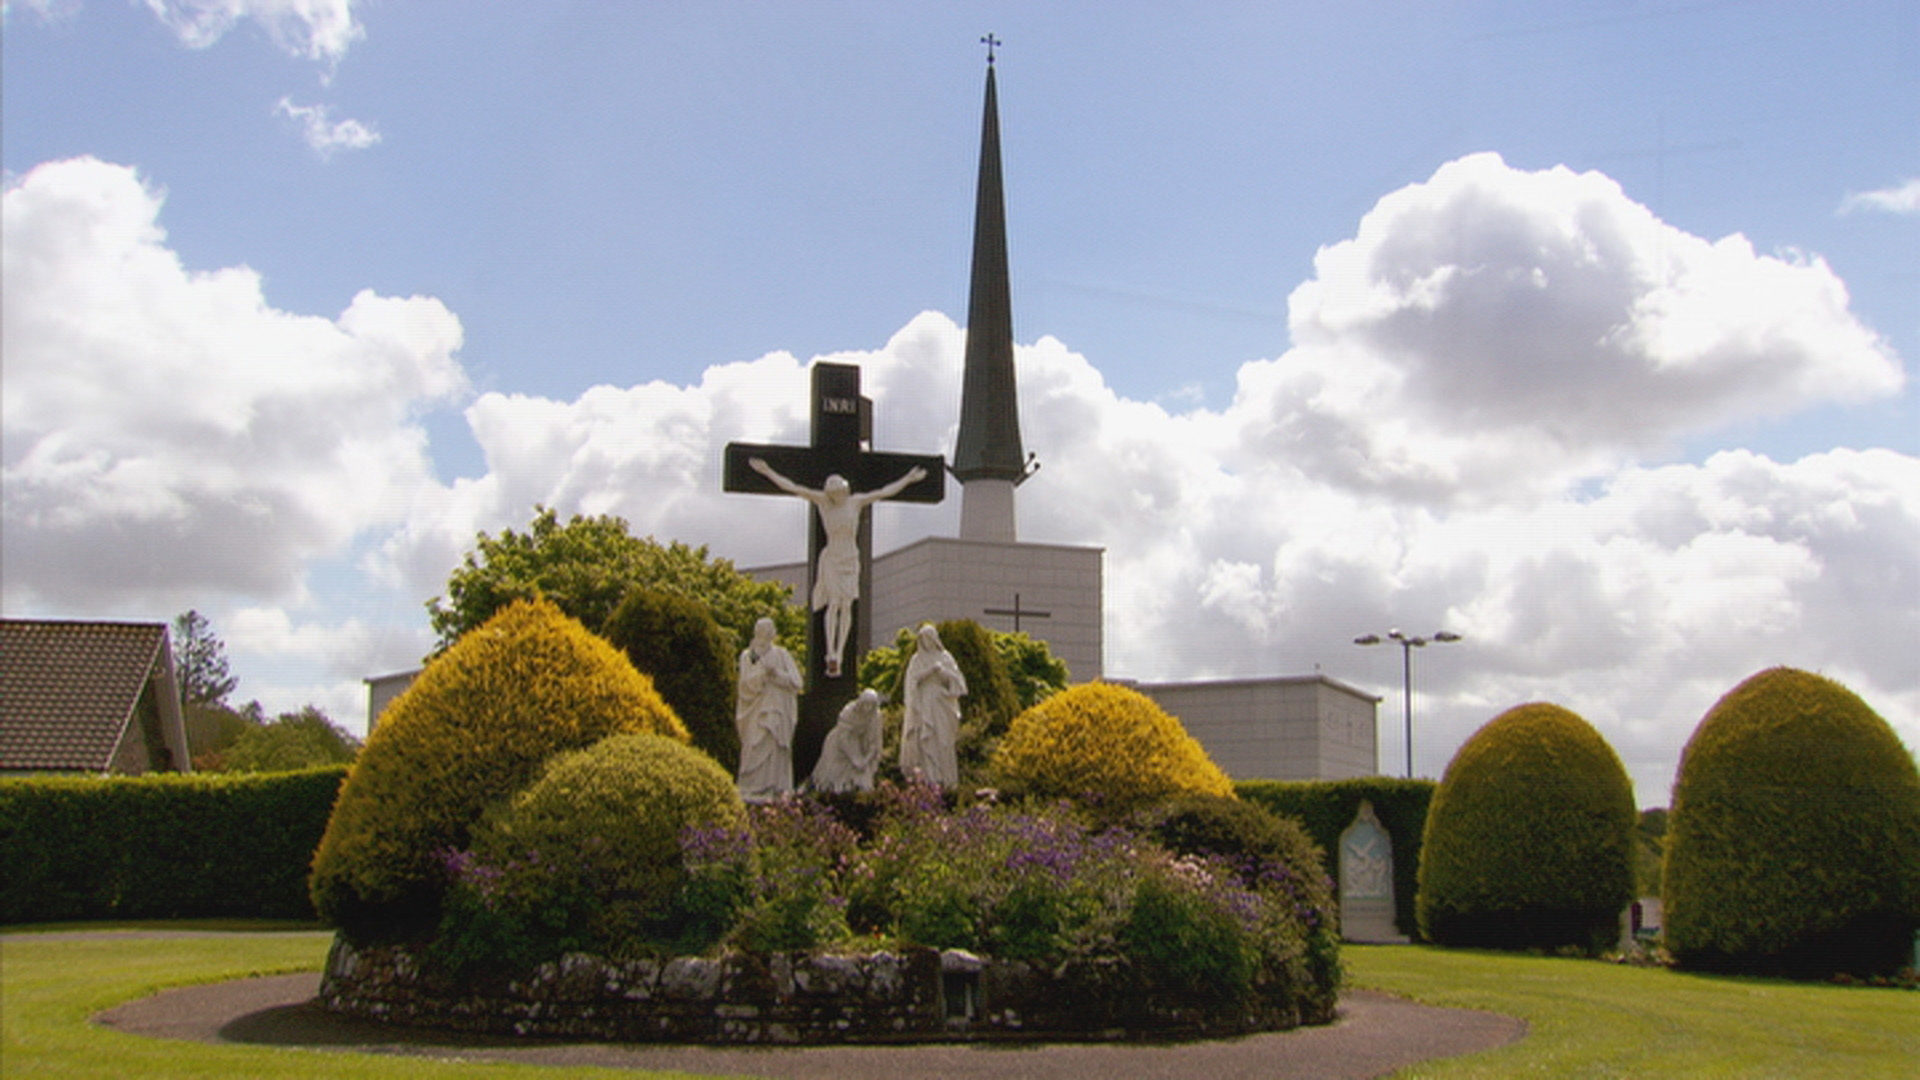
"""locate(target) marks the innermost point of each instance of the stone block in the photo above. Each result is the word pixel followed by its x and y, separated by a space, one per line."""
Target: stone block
pixel 690 978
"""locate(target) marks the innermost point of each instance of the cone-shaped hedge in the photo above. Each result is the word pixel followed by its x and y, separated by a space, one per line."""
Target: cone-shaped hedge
pixel 1529 839
pixel 474 728
pixel 1106 746
pixel 1794 841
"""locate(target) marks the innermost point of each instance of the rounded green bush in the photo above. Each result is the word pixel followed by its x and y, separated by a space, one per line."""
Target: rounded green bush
pixel 1271 850
pixel 674 641
pixel 1529 839
pixel 1105 746
pixel 590 854
pixel 1794 840
pixel 1235 828
pixel 474 728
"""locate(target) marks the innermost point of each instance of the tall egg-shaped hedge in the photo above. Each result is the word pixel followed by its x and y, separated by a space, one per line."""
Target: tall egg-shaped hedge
pixel 1529 838
pixel 1793 845
pixel 1107 746
pixel 475 727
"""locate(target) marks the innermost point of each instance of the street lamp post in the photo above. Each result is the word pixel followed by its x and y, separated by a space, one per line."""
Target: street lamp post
pixel 1407 643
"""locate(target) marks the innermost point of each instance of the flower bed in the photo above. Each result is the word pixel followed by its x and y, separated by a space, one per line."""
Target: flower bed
pixel 892 916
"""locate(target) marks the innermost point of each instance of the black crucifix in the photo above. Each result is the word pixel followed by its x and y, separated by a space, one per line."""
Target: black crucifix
pixel 839 574
pixel 1018 613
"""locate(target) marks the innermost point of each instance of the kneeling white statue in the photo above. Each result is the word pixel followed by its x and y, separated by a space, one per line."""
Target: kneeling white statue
pixel 851 754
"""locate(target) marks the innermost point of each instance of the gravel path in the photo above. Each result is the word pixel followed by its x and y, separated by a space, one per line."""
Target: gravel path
pixel 1375 1035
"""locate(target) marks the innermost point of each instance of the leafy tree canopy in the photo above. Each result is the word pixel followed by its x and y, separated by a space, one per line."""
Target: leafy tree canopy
pixel 200 662
pixel 587 565
pixel 297 740
pixel 211 729
pixel 1035 672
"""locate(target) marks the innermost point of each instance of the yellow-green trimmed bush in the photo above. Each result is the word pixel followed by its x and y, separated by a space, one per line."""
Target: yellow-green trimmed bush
pixel 588 858
pixel 1105 746
pixel 474 728
pixel 1793 846
pixel 1529 839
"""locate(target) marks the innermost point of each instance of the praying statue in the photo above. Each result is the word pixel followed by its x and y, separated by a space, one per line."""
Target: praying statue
pixel 851 754
pixel 836 581
pixel 933 689
pixel 767 711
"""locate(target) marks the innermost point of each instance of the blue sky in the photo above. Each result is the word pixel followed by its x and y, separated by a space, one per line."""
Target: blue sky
pixel 1251 250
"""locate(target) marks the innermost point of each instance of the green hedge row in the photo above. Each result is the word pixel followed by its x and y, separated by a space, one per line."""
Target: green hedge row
pixel 1327 807
pixel 161 847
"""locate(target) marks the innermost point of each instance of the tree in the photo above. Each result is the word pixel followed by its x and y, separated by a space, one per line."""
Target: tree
pixel 477 726
pixel 296 740
pixel 200 662
pixel 1649 848
pixel 1529 838
pixel 1035 672
pixel 1795 840
pixel 992 699
pixel 674 641
pixel 1107 747
pixel 589 564
pixel 213 729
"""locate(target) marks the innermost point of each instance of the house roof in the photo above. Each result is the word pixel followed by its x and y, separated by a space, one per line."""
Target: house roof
pixel 69 690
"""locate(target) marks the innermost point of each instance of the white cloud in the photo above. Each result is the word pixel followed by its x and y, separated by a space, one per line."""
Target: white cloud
pixel 169 434
pixel 50 11
pixel 1462 437
pixel 323 134
pixel 1493 333
pixel 1904 199
pixel 320 30
pixel 1454 441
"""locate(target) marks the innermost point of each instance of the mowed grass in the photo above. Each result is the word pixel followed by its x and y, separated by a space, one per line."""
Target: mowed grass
pixel 1592 1019
pixel 51 984
pixel 1587 1019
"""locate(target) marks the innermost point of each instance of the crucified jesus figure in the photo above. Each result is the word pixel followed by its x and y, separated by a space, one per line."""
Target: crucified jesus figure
pixel 836 580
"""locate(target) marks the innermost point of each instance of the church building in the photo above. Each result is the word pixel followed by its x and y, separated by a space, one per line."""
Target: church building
pixel 1293 728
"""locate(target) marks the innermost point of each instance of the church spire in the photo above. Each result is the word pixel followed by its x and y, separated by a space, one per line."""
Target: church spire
pixel 988 459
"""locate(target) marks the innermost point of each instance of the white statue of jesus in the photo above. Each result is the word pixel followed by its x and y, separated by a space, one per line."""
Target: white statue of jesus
pixel 836 581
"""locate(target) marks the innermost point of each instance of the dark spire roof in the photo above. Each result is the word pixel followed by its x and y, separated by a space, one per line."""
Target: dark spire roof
pixel 989 443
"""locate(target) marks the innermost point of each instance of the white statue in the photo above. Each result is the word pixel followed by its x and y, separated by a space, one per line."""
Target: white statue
pixel 766 713
pixel 851 754
pixel 836 581
pixel 933 689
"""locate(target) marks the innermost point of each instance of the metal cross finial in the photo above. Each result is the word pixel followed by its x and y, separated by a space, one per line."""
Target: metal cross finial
pixel 991 43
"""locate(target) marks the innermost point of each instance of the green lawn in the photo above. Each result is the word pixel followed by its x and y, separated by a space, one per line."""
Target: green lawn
pixel 1588 1019
pixel 51 983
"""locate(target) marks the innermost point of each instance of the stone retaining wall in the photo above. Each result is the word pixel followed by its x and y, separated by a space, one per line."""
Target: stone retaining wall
pixel 910 995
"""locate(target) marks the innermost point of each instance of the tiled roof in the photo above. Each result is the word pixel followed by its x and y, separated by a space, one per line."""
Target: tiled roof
pixel 68 690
